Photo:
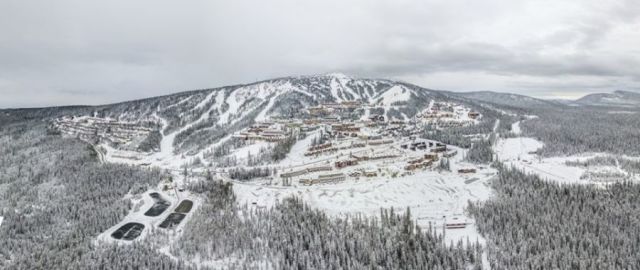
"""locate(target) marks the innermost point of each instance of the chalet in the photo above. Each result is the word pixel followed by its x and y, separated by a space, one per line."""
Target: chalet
pixel 333 177
pixel 380 142
pixel 449 154
pixel 431 156
pixel 273 135
pixel 360 157
pixel 473 115
pixel 247 136
pixel 255 130
pixel 319 169
pixel 439 149
pixel 456 223
pixel 345 128
pixel 419 145
pixel 288 175
pixel 351 104
pixel 370 173
pixel 320 146
pixel 346 163
pixel 416 161
pixel 327 178
pixel 376 118
pixel 311 122
pixel 415 166
pixel 321 151
pixel 370 137
pixel 316 110
pixel 467 170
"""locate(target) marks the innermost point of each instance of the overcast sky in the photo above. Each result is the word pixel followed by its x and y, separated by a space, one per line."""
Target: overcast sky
pixel 94 52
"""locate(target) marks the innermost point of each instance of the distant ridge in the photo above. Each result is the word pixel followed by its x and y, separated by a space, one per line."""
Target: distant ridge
pixel 508 99
pixel 617 98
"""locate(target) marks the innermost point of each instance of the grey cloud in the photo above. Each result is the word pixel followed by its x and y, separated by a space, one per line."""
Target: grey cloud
pixel 72 52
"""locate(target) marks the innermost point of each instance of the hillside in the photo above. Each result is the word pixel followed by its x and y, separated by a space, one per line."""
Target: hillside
pixel 509 99
pixel 216 178
pixel 195 123
pixel 296 150
pixel 615 99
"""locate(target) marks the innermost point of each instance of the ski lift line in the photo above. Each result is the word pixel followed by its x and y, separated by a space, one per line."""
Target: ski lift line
pixel 534 168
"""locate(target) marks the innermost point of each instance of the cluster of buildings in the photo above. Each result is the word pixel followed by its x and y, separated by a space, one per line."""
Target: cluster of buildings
pixel 329 148
pixel 352 145
pixel 423 162
pixel 287 176
pixel 107 130
pixel 324 178
pixel 264 131
pixel 333 107
pixel 448 115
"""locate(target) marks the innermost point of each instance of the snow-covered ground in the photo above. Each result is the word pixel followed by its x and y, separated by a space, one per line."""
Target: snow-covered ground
pixel 518 152
pixel 515 128
pixel 432 196
pixel 1 219
pixel 251 149
pixel 394 94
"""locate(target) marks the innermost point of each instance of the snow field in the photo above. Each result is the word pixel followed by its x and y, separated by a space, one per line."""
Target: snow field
pixel 518 152
pixel 430 195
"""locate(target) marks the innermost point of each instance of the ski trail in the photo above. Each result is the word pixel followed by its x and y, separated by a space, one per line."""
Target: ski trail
pixel 263 114
pixel 344 86
pixel 179 102
pixel 205 101
pixel 334 89
pixel 166 144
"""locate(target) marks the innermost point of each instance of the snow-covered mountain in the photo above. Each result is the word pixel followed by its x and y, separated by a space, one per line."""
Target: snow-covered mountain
pixel 617 98
pixel 190 122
